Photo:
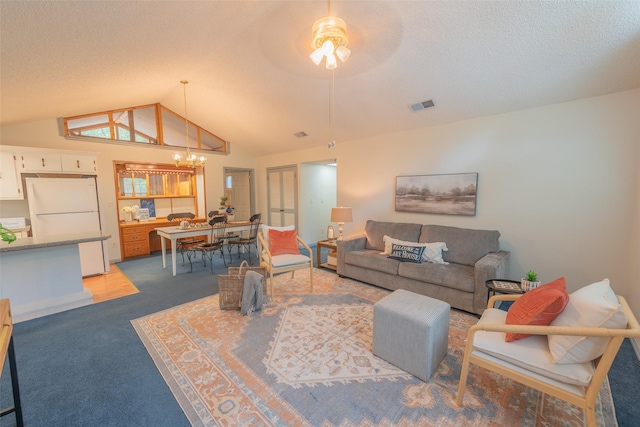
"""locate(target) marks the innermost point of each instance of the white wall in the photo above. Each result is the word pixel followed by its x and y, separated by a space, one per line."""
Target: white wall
pixel 559 182
pixel 317 197
pixel 45 134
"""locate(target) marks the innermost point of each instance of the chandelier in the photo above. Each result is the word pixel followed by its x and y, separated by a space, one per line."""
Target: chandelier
pixel 187 159
pixel 329 40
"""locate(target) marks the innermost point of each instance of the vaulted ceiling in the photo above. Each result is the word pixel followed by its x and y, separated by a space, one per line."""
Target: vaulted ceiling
pixel 252 83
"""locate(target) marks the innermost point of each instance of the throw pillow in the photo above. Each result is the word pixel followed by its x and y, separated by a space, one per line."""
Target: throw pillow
pixel 537 307
pixel 595 305
pixel 283 242
pixel 265 231
pixel 432 252
pixel 406 253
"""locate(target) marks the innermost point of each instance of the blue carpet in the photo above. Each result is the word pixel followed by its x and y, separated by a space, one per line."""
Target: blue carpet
pixel 87 366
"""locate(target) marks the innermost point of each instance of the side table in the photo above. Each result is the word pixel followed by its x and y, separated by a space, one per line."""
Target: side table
pixel 333 249
pixel 503 286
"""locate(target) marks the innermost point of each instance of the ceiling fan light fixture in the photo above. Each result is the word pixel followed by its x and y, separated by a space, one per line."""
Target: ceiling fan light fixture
pixel 343 53
pixel 317 55
pixel 331 62
pixel 327 48
pixel 330 37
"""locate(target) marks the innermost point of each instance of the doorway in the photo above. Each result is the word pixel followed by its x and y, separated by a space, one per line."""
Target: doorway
pixel 238 187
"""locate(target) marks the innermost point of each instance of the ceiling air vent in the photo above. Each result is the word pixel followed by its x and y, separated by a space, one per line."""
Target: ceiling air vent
pixel 300 134
pixel 422 105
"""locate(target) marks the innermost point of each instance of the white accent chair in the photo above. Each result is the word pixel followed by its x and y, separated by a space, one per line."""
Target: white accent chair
pixel 276 264
pixel 529 361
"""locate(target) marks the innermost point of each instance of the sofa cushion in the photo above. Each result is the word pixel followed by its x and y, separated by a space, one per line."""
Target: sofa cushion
pixel 376 230
pixel 455 276
pixel 372 260
pixel 466 246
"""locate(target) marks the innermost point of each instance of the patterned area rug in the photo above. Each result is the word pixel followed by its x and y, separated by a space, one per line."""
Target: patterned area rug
pixel 305 360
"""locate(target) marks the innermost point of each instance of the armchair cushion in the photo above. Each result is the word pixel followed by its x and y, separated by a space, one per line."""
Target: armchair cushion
pixel 537 307
pixel 283 242
pixel 286 260
pixel 531 354
pixel 595 305
pixel 265 232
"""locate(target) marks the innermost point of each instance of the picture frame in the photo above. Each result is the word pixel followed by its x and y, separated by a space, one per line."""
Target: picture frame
pixel 149 204
pixel 143 214
pixel 444 194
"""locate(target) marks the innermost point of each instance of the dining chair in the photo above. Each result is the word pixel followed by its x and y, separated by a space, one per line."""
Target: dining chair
pixel 251 240
pixel 216 242
pixel 529 361
pixel 283 263
pixel 183 244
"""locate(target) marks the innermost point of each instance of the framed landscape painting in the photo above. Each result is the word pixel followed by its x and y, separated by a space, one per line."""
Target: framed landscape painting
pixel 451 194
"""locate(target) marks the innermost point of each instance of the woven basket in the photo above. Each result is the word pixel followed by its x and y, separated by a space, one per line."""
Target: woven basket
pixel 231 285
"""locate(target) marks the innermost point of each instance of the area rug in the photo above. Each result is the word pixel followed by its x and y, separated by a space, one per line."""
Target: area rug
pixel 305 360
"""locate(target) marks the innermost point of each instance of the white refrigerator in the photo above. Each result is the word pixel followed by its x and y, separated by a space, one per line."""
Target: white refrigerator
pixel 62 206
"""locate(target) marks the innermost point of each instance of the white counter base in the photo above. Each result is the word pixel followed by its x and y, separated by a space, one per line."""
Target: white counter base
pixel 43 280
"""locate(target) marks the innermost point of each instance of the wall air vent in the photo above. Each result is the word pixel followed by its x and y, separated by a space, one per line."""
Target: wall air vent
pixel 300 134
pixel 422 105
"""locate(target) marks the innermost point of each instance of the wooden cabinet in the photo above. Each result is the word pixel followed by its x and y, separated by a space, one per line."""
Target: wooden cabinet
pixel 135 241
pixel 10 184
pixel 39 162
pixel 140 238
pixel 56 161
pixel 80 163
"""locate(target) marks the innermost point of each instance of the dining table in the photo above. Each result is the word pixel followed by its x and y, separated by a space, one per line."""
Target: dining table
pixel 174 233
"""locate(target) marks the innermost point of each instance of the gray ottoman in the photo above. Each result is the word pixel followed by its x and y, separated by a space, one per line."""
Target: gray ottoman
pixel 411 331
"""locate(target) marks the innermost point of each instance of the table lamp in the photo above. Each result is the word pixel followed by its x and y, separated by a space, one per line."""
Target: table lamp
pixel 341 215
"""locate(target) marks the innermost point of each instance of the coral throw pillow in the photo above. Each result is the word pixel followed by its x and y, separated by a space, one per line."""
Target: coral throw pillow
pixel 539 306
pixel 283 242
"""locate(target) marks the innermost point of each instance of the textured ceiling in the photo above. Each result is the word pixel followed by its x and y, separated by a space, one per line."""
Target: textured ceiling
pixel 252 83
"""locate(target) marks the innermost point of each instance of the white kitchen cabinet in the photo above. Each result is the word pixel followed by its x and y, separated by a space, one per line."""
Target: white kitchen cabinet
pixel 81 163
pixel 39 162
pixel 10 184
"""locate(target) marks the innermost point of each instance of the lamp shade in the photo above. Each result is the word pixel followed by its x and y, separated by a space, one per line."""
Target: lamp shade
pixel 341 214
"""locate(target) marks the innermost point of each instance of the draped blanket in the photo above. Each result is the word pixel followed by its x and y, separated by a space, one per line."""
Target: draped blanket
pixel 252 298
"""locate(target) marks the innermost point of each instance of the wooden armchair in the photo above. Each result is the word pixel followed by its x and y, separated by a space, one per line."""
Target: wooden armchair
pixel 276 264
pixel 537 350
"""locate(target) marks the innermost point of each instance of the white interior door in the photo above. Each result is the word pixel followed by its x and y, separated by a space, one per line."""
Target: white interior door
pixel 282 188
pixel 238 186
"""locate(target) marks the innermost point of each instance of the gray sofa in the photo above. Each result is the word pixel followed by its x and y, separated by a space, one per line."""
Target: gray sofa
pixel 474 256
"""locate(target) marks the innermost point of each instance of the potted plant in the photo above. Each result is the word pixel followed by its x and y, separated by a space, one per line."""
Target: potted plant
pixel 7 235
pixel 223 204
pixel 529 281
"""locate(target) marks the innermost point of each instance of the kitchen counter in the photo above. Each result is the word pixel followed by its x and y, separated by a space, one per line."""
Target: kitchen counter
pixel 42 276
pixel 27 243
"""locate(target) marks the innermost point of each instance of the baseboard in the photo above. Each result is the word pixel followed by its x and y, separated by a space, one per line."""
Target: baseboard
pixel 635 343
